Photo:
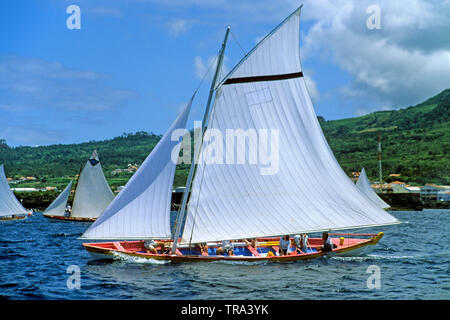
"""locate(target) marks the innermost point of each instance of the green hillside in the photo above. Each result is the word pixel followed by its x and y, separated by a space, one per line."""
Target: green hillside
pixel 415 143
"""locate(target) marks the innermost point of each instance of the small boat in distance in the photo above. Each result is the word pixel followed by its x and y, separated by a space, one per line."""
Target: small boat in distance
pixel 92 195
pixel 235 202
pixel 58 207
pixel 10 207
pixel 364 185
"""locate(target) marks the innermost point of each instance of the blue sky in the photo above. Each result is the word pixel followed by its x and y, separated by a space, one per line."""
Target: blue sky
pixel 134 64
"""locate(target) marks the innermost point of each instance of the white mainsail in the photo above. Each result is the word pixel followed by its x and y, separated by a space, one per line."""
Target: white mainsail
pixel 142 209
pixel 9 205
pixel 58 206
pixel 93 193
pixel 363 184
pixel 310 192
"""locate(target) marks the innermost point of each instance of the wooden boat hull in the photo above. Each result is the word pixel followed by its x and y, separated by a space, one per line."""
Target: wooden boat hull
pixel 70 218
pixel 8 218
pixel 109 250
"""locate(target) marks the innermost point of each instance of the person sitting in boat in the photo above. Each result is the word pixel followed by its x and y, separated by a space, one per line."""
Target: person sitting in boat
pixel 151 246
pixel 202 247
pixel 227 247
pixel 328 244
pixel 284 245
pixel 68 211
pixel 250 242
pixel 301 242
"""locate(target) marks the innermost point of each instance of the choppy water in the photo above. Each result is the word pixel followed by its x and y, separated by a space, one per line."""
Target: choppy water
pixel 413 259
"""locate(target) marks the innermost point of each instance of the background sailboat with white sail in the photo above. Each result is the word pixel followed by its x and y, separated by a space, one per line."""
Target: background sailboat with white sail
pixel 10 207
pixel 58 207
pixel 92 194
pixel 309 192
pixel 364 185
pixel 142 209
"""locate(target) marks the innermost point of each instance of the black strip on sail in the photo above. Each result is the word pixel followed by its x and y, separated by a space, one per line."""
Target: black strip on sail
pixel 264 78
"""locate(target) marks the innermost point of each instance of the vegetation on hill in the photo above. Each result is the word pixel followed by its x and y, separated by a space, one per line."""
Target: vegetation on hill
pixel 415 144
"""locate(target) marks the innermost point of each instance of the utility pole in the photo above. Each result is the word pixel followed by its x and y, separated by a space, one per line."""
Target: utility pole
pixel 380 175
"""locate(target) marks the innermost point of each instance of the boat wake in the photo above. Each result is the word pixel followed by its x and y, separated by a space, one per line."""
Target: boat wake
pixel 370 257
pixel 124 257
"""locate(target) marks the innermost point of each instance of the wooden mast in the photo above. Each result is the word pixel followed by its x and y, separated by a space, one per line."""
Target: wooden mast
pixel 197 153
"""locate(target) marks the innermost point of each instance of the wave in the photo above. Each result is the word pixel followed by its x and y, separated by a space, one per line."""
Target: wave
pixel 124 257
pixel 64 234
pixel 373 257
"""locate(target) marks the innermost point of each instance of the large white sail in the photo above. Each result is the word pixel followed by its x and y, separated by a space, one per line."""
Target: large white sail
pixel 93 193
pixel 58 206
pixel 363 184
pixel 9 205
pixel 142 209
pixel 309 191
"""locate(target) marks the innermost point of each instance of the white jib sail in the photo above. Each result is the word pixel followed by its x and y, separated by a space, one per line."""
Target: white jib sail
pixel 308 192
pixel 142 209
pixel 93 193
pixel 363 184
pixel 58 206
pixel 9 205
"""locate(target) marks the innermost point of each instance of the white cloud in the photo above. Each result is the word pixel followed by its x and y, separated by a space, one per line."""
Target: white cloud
pixel 177 27
pixel 311 86
pixel 49 85
pixel 201 67
pixel 398 65
pixel 406 61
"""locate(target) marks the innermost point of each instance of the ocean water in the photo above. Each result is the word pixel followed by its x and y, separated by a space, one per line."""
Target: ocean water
pixel 38 256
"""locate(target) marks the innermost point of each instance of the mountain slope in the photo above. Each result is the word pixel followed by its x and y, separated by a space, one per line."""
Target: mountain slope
pixel 415 141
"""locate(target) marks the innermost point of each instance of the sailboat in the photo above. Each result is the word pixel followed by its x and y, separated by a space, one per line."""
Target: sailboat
pixel 308 193
pixel 58 207
pixel 10 207
pixel 363 184
pixel 92 195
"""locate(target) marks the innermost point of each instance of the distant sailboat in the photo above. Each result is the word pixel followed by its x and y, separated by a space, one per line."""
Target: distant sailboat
pixel 58 207
pixel 142 209
pixel 363 184
pixel 309 193
pixel 10 207
pixel 92 194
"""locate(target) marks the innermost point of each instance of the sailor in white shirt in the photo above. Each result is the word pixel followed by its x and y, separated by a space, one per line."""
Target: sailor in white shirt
pixel 284 245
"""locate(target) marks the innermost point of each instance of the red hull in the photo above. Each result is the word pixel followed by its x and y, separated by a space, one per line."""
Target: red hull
pixel 70 218
pixel 137 249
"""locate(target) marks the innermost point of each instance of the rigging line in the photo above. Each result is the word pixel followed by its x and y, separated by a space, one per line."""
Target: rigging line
pixel 213 62
pixel 258 45
pixel 235 39
pixel 203 175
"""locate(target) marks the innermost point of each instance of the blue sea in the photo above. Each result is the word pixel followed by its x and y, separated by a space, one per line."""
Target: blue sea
pixel 40 257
